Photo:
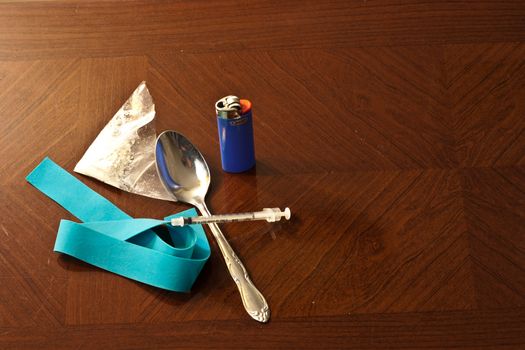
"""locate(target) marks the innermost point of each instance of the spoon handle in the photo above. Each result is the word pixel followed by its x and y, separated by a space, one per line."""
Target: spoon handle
pixel 252 299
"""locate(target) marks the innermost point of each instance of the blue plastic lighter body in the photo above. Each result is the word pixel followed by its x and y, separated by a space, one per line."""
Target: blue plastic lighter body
pixel 236 141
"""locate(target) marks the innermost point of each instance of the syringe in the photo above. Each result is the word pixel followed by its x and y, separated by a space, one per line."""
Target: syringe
pixel 268 214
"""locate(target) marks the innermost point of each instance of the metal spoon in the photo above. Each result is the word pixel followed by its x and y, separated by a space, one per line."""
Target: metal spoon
pixel 186 175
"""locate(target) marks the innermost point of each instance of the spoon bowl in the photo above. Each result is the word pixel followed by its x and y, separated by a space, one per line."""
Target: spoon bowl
pixel 182 167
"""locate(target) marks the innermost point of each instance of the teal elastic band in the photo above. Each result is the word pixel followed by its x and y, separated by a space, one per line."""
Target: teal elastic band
pixel 110 239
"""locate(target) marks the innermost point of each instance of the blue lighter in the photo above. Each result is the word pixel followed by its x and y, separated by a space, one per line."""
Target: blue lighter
pixel 234 121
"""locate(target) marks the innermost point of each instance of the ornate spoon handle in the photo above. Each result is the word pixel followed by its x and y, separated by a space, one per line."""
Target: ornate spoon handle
pixel 252 299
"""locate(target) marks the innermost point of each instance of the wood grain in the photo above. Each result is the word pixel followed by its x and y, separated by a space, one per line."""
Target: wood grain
pixel 72 28
pixel 393 130
pixel 467 330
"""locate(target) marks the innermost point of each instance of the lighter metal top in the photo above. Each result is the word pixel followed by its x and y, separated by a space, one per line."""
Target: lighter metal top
pixel 228 107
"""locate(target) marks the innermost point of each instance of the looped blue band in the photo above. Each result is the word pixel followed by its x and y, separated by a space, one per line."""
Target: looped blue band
pixel 110 239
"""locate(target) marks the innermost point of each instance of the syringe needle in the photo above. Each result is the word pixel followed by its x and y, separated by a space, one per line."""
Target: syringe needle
pixel 268 214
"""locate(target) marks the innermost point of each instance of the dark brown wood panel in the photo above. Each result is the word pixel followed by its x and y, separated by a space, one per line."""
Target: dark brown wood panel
pixel 486 84
pixel 71 28
pixel 393 130
pixel 363 118
pixel 494 211
pixel 465 330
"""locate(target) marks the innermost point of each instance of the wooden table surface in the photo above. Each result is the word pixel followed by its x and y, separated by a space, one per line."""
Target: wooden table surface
pixel 393 130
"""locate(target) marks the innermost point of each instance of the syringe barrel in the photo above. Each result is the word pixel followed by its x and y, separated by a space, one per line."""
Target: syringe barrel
pixel 225 218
